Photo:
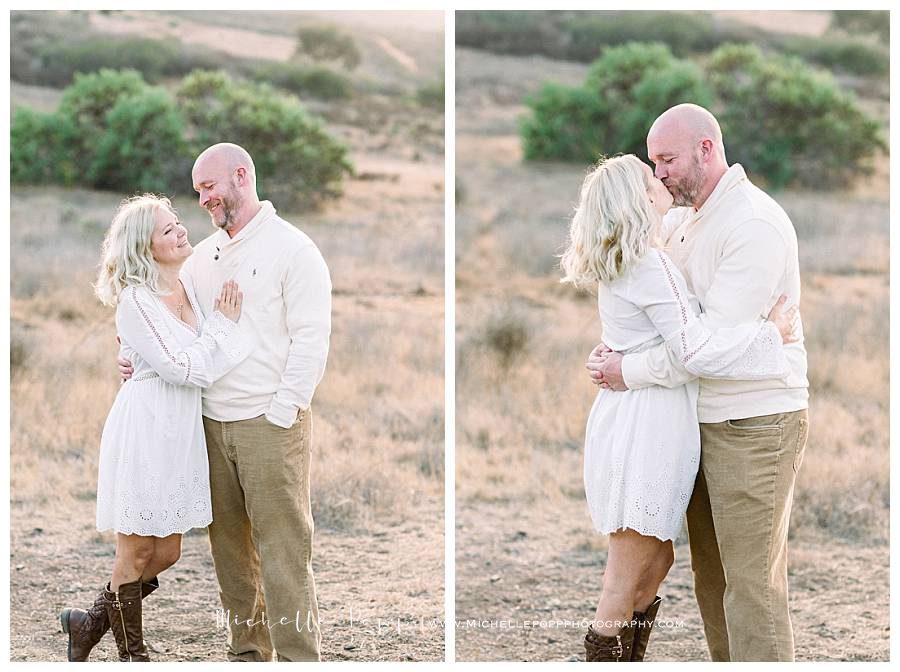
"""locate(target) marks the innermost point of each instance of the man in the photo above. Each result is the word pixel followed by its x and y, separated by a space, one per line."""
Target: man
pixel 257 418
pixel 738 251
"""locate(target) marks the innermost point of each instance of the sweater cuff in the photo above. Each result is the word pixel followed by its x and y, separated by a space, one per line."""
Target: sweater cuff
pixel 634 371
pixel 282 414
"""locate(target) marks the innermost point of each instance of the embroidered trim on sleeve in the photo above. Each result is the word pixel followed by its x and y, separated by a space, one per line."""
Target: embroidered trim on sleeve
pixel 684 317
pixel 162 343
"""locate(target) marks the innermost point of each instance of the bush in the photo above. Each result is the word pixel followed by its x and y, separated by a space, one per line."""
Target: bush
pixel 780 118
pixel 87 102
pixel 43 148
pixel 868 22
pixel 154 59
pixel 326 43
pixel 685 32
pixel 315 82
pixel 853 55
pixel 432 95
pixel 298 164
pixel 626 89
pixel 792 124
pixel 143 147
pixel 516 32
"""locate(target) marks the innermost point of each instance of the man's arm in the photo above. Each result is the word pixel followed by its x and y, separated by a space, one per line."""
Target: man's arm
pixel 307 299
pixel 745 286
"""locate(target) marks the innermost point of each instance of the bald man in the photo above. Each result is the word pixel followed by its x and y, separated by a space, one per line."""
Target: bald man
pixel 257 418
pixel 738 251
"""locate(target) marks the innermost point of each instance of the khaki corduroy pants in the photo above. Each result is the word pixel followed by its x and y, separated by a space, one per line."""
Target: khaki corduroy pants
pixel 738 520
pixel 261 537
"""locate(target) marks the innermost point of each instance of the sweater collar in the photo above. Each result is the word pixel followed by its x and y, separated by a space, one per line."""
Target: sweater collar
pixel 734 176
pixel 266 212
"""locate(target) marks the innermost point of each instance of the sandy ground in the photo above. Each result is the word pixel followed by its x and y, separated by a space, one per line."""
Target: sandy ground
pixel 527 575
pixel 526 557
pixel 59 562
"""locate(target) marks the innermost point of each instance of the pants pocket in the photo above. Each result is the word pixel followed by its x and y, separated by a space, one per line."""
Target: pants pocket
pixel 800 450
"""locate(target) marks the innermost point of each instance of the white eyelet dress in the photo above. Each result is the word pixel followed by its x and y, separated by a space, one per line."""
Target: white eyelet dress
pixel 642 446
pixel 154 474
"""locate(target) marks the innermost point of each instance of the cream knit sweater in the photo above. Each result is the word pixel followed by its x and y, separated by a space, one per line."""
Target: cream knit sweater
pixel 286 312
pixel 738 253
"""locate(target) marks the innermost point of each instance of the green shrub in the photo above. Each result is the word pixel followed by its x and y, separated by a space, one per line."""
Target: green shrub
pixel 326 43
pixel 43 148
pixel 781 119
pixel 88 100
pixel 626 89
pixel 432 95
pixel 684 32
pixel 566 124
pixel 517 32
pixel 143 147
pixel 297 163
pixel 154 59
pixel 869 22
pixel 315 82
pixel 853 55
pixel 790 123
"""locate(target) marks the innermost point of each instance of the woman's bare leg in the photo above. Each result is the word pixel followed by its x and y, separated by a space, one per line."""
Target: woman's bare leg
pixel 166 552
pixel 630 558
pixel 648 586
pixel 133 552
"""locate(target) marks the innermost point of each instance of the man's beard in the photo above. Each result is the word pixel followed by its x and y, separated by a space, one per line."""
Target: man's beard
pixel 230 205
pixel 686 191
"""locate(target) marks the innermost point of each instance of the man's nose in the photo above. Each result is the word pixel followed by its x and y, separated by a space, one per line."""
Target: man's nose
pixel 204 198
pixel 659 171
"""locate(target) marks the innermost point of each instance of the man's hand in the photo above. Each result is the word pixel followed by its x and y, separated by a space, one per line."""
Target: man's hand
pixel 126 370
pixel 605 368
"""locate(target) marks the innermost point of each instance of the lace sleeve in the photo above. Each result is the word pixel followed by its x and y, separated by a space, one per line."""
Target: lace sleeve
pixel 143 329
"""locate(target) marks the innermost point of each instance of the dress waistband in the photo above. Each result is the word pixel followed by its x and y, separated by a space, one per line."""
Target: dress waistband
pixel 145 376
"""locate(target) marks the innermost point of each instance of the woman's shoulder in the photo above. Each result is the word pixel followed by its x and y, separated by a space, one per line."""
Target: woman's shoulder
pixel 136 299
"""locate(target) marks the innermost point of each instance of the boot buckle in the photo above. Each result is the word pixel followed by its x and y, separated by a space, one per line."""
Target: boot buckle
pixel 617 650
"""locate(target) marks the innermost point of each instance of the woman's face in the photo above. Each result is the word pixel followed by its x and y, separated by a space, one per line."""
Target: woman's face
pixel 169 242
pixel 659 195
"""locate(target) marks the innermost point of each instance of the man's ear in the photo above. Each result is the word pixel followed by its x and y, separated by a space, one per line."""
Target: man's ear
pixel 706 148
pixel 241 174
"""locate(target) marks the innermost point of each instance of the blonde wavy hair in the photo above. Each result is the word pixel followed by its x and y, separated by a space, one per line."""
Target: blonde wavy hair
pixel 126 255
pixel 614 224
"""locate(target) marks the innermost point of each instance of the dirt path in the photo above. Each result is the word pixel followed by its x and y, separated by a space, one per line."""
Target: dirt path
pixel 517 563
pixel 367 613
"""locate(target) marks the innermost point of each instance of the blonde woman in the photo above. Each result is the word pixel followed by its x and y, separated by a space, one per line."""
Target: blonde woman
pixel 642 447
pixel 153 481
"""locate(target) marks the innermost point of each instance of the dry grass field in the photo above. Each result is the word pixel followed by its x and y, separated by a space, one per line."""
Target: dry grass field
pixel 378 459
pixel 525 546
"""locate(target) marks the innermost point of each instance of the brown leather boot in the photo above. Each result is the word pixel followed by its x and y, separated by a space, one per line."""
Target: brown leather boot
pixel 643 625
pixel 125 620
pixel 86 628
pixel 609 648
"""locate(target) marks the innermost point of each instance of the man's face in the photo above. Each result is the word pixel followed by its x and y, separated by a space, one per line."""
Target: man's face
pixel 678 166
pixel 218 193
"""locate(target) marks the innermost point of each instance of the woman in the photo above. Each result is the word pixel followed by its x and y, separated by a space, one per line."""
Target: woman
pixel 153 481
pixel 642 447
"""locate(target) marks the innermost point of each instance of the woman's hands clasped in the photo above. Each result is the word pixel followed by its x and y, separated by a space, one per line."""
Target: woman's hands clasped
pixel 229 301
pixel 785 320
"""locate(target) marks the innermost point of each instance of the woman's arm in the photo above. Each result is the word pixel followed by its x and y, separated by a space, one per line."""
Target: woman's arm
pixel 750 351
pixel 143 328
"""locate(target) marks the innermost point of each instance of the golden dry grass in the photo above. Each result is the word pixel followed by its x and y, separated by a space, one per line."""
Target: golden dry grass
pixel 522 393
pixel 378 423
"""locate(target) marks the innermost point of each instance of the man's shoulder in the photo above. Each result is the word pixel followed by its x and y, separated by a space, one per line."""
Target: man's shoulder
pixel 287 236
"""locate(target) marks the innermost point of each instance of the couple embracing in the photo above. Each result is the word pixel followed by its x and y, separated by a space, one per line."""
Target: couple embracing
pixel 223 346
pixel 702 411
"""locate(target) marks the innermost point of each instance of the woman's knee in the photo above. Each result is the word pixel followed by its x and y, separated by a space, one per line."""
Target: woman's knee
pixel 136 551
pixel 167 554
